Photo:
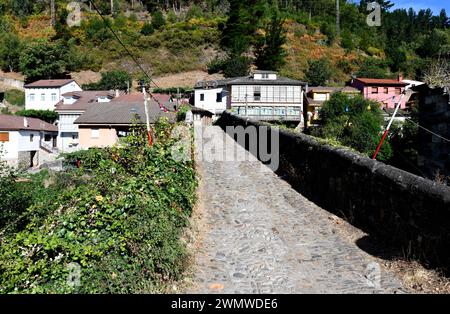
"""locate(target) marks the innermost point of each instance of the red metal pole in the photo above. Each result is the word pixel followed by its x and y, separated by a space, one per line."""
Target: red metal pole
pixel 388 127
pixel 150 141
pixel 381 144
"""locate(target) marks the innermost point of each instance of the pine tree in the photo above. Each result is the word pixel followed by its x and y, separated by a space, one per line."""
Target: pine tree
pixel 269 51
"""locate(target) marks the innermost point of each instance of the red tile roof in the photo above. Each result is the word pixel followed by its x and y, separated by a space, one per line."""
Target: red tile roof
pixel 371 81
pixel 49 83
pixel 16 123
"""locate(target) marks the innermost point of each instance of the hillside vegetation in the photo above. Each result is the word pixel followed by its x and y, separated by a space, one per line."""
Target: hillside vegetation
pixel 228 37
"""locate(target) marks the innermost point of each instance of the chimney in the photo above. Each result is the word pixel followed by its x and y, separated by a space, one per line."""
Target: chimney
pixel 25 122
pixel 400 77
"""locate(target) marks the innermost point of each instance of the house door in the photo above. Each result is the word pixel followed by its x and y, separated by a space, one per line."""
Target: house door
pixel 54 141
pixel 32 156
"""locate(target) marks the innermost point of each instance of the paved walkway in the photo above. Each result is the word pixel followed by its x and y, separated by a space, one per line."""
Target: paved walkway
pixel 264 237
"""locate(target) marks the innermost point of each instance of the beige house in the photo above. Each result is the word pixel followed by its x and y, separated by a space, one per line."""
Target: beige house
pixel 316 96
pixel 103 124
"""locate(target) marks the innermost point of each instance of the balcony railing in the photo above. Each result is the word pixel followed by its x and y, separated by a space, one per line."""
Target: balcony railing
pixel 272 117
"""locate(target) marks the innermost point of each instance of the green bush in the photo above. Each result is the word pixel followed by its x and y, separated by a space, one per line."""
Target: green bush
pixel 147 29
pixel 120 224
pixel 15 97
pixel 158 20
pixel 45 115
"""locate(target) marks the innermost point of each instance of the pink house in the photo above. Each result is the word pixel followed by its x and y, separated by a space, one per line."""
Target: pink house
pixel 386 91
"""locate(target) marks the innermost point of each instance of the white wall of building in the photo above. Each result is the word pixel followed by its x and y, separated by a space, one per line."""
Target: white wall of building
pixel 68 132
pixel 47 98
pixel 25 142
pixel 9 150
pixel 209 101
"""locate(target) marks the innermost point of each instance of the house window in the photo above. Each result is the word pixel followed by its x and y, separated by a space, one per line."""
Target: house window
pixel 266 111
pixel 265 76
pixel 202 97
pixel 257 93
pixel 31 97
pixel 53 96
pixel 4 136
pixel 219 97
pixel 374 90
pixel 42 97
pixel 386 90
pixel 31 138
pixel 398 91
pixel 95 133
pixel 280 111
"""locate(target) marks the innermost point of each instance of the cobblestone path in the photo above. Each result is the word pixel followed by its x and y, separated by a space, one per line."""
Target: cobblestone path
pixel 264 237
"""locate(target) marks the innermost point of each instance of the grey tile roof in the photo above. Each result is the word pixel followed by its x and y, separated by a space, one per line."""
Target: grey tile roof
pixel 123 113
pixel 212 84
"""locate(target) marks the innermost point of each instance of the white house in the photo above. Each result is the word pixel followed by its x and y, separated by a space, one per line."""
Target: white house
pixel 45 94
pixel 211 96
pixel 70 108
pixel 26 142
pixel 267 96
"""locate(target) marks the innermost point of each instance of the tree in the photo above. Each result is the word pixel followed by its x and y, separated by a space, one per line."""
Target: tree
pixel 9 52
pixel 269 51
pixel 244 18
pixel 22 8
pixel 318 72
pixel 111 80
pixel 355 122
pixel 158 20
pixel 373 68
pixel 42 59
pixel 236 66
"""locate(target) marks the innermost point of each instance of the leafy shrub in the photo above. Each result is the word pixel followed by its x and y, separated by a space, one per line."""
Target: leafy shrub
pixel 120 223
pixel 158 20
pixel 216 65
pixel 194 12
pixel 15 97
pixel 318 72
pixel 147 29
pixel 45 115
pixel 111 80
pixel 236 66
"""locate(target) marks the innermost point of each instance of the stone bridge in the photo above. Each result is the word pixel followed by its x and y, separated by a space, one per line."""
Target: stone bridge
pixel 264 231
pixel 262 236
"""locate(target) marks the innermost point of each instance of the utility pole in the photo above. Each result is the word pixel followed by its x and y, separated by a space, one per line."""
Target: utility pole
pixel 338 19
pixel 149 133
pixel 53 12
pixel 389 126
pixel 112 7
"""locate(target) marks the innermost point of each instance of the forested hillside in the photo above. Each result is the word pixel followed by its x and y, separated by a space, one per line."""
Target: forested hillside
pixel 228 37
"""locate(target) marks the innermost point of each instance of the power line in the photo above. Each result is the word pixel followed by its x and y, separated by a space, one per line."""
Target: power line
pixel 129 53
pixel 425 129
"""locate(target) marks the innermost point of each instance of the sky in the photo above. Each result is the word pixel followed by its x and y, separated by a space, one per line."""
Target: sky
pixel 434 5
